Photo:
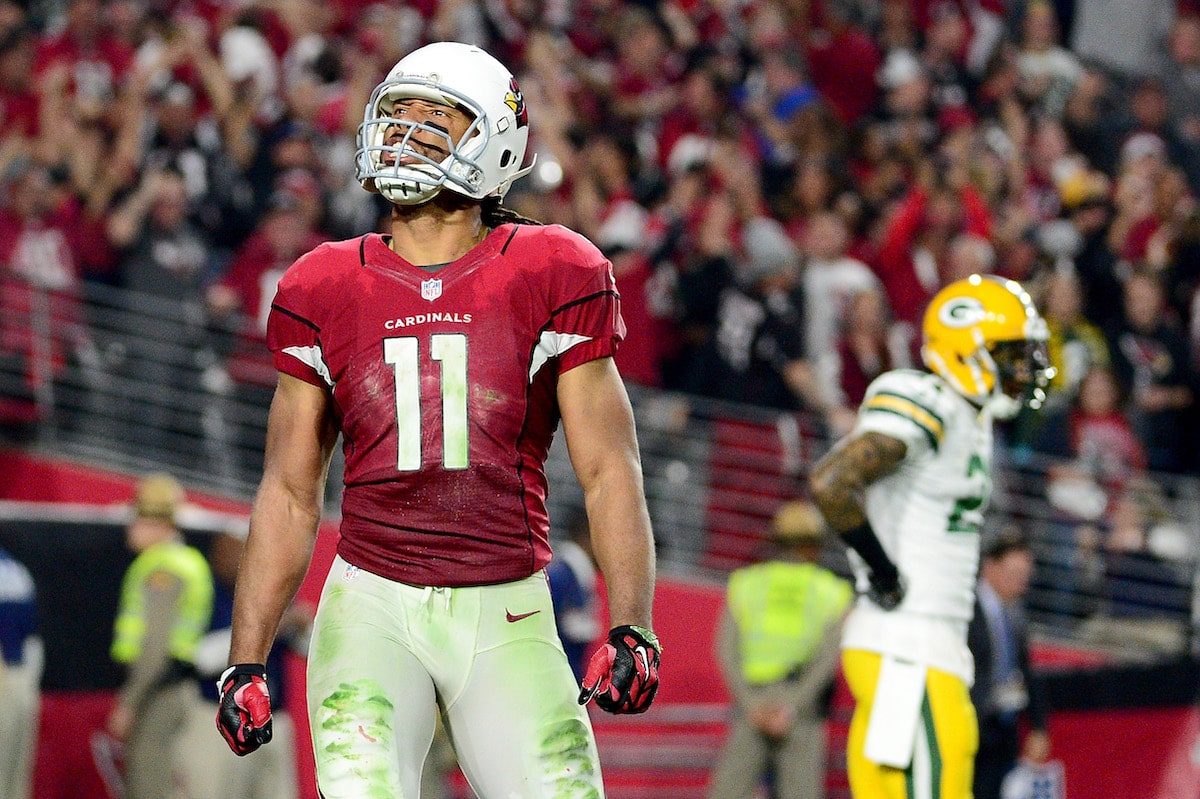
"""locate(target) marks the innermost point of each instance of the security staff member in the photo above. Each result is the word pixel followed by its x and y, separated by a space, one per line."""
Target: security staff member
pixel 778 647
pixel 165 607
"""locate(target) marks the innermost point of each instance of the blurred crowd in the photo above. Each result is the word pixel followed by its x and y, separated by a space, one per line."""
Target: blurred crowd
pixel 780 184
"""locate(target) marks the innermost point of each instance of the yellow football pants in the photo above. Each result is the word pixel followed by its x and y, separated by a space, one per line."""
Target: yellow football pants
pixel 947 737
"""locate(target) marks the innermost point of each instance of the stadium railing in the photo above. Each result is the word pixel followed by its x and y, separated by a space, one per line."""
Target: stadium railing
pixel 134 382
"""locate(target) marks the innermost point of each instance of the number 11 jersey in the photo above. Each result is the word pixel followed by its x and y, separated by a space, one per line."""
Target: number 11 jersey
pixel 443 384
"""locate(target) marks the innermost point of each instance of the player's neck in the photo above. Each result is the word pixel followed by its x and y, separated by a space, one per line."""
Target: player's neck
pixel 436 232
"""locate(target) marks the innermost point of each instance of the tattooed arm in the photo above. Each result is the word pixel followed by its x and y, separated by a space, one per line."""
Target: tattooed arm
pixel 839 482
pixel 842 476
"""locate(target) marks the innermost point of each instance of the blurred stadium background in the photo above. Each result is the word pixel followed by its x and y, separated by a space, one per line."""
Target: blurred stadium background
pixel 1115 631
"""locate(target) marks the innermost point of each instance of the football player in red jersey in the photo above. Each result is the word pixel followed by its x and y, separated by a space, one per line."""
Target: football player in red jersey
pixel 445 355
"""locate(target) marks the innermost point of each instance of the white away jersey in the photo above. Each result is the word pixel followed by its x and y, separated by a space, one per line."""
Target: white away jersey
pixel 927 514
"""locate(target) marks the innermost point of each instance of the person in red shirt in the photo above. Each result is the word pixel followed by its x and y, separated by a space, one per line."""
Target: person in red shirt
pixel 445 355
pixel 97 61
pixel 843 60
pixel 19 104
pixel 238 305
pixel 916 241
pixel 41 317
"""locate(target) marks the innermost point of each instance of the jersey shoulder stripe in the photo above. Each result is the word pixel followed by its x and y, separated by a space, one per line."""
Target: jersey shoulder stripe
pixel 914 400
pixel 929 422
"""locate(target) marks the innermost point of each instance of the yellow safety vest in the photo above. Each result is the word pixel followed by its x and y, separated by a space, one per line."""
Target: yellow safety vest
pixel 781 609
pixel 194 608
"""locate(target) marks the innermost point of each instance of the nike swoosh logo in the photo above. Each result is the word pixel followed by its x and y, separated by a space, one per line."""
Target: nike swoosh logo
pixel 511 618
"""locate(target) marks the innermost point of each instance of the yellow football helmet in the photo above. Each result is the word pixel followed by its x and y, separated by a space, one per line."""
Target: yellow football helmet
pixel 985 338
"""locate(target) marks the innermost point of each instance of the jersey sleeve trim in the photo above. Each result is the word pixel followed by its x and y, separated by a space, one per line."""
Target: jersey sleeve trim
pixel 551 345
pixel 295 316
pixel 929 422
pixel 314 359
pixel 581 300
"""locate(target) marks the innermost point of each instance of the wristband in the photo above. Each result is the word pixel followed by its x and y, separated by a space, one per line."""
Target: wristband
pixel 646 633
pixel 252 669
pixel 862 539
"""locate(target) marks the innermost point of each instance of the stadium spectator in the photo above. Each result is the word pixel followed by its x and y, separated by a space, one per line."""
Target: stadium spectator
pixel 1181 79
pixel 868 345
pixel 1095 434
pixel 1076 345
pixel 843 59
pixel 42 326
pixel 18 91
pixel 1150 119
pixel 185 131
pixel 1150 357
pixel 917 240
pixel 95 61
pixel 646 295
pixel 238 303
pixel 1089 209
pixel 756 352
pixel 1048 70
pixel 19 672
pixel 160 342
pixel 692 121
pixel 647 69
pixel 830 278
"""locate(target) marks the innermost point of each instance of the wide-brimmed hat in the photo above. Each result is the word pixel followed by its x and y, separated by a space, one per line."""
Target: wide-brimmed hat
pixel 797 522
pixel 158 496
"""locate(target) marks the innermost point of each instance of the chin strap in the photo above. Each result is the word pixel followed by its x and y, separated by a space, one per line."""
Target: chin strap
pixel 520 173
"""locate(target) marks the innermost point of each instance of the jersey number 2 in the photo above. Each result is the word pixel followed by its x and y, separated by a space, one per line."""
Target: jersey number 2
pixel 450 349
pixel 967 516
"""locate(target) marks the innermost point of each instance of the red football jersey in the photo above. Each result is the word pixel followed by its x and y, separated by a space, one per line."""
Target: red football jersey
pixel 444 384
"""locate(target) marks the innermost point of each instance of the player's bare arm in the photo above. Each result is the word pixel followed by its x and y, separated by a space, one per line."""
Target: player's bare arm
pixel 841 477
pixel 839 483
pixel 622 675
pixel 602 441
pixel 285 515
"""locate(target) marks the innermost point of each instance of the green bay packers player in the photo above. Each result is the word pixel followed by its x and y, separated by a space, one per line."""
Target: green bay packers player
pixel 906 490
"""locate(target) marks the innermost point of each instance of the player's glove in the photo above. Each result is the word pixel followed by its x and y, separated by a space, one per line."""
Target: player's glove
pixel 887 586
pixel 244 707
pixel 623 674
pixel 887 593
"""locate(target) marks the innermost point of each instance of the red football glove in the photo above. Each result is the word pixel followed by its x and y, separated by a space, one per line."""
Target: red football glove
pixel 244 707
pixel 623 674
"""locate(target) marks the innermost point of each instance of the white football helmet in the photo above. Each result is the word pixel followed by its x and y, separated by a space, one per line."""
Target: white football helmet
pixel 488 157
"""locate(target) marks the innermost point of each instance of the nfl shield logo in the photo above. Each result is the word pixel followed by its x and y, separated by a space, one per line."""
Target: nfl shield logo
pixel 431 289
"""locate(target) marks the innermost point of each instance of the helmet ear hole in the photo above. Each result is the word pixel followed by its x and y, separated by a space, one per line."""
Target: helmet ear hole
pixel 505 158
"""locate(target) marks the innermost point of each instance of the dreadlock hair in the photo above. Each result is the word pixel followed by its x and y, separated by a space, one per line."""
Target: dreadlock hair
pixel 493 214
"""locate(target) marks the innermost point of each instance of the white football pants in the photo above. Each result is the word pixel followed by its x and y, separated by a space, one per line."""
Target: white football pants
pixel 385 657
